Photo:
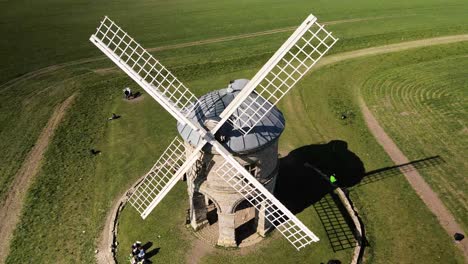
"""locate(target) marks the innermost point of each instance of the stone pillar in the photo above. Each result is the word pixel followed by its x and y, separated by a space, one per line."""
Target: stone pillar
pixel 227 230
pixel 198 211
pixel 263 226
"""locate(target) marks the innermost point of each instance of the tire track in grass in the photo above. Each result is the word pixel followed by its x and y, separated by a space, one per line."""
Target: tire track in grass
pixel 10 209
pixel 59 66
pixel 416 94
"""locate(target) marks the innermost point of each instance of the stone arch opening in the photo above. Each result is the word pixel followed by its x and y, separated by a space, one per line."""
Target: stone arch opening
pixel 204 210
pixel 211 211
pixel 245 221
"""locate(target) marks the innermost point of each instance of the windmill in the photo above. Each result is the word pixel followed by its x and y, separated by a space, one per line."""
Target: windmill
pixel 246 110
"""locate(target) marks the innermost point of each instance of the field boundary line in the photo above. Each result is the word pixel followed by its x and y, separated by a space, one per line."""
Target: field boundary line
pixel 255 34
pixel 11 207
pixel 417 182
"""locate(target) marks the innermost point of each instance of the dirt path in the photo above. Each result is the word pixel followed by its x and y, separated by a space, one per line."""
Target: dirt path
pixel 105 244
pixel 198 250
pixel 10 209
pixel 391 48
pixel 417 182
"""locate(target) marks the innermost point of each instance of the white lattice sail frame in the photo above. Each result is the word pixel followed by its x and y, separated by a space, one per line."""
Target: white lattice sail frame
pixel 159 179
pixel 273 210
pixel 144 69
pixel 289 64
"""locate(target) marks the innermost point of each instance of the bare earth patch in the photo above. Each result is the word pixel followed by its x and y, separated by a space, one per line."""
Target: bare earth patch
pixel 10 209
pixel 199 249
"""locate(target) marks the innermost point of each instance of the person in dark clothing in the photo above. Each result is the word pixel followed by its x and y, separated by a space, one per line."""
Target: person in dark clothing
pixel 95 151
pixel 136 249
pixel 128 93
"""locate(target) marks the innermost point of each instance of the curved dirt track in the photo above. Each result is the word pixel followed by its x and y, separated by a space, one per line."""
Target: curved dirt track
pixel 10 209
pixel 417 182
pixel 391 48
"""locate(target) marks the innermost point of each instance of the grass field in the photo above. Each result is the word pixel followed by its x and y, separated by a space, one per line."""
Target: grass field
pixel 396 220
pixel 43 33
pixel 73 191
pixel 390 202
pixel 424 107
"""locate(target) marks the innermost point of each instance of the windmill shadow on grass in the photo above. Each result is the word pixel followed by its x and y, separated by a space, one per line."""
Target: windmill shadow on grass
pixel 384 173
pixel 298 186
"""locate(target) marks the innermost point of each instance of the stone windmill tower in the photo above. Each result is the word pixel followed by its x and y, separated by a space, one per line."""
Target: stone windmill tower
pixel 229 151
pixel 256 151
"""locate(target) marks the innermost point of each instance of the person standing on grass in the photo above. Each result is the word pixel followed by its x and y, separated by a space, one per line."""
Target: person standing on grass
pixel 127 93
pixel 135 251
pixel 333 178
pixel 141 254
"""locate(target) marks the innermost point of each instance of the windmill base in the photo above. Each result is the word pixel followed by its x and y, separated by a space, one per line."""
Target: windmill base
pixel 218 213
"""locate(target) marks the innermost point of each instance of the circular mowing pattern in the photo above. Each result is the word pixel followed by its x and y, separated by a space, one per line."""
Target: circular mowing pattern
pixel 424 108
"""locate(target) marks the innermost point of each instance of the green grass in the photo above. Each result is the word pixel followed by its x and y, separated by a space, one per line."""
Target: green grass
pixel 42 33
pixel 396 220
pixel 23 114
pixel 74 191
pixel 62 207
pixel 169 218
pixel 424 108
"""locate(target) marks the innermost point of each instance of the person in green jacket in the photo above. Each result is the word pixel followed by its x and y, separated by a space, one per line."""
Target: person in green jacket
pixel 332 178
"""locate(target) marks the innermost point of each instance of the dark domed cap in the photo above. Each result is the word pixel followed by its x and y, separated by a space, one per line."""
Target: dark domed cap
pixel 208 108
